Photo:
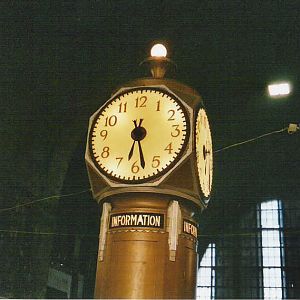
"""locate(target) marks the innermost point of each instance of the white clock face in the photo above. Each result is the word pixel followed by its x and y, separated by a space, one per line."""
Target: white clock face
pixel 139 135
pixel 204 153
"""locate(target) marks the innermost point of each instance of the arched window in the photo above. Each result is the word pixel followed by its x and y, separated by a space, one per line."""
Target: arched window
pixel 271 250
pixel 206 274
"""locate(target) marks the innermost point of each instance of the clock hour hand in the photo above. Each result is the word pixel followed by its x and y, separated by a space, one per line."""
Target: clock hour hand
pixel 138 134
pixel 131 150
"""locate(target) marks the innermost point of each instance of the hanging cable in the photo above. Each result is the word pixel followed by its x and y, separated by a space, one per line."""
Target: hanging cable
pixel 44 199
pixel 45 233
pixel 251 140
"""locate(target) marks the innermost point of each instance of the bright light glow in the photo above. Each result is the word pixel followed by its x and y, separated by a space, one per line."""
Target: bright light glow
pixel 159 50
pixel 279 89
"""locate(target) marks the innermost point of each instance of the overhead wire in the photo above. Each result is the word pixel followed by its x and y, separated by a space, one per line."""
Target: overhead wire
pixel 88 190
pixel 43 199
pixel 251 140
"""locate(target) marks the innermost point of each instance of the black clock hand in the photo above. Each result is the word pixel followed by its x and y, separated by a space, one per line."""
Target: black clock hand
pixel 137 134
pixel 131 150
pixel 141 155
pixel 132 147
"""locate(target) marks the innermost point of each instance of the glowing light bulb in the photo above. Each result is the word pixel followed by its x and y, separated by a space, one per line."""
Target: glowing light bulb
pixel 158 50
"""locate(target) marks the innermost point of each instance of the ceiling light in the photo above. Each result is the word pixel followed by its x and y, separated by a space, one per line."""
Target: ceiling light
pixel 279 89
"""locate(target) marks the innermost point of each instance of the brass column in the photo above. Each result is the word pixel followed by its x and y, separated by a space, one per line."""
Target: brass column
pixel 139 261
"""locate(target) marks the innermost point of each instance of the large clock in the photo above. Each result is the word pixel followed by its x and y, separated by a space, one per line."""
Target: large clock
pixel 139 134
pixel 204 154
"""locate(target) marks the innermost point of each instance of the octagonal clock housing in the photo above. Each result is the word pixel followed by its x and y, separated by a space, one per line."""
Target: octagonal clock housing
pixel 142 140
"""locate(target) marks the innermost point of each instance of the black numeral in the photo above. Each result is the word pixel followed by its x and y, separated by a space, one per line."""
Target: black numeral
pixel 111 121
pixel 141 101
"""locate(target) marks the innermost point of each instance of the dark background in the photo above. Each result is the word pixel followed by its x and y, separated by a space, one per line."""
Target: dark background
pixel 60 60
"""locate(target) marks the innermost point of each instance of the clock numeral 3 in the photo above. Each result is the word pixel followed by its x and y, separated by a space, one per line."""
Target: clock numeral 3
pixel 176 131
pixel 141 101
pixel 111 121
pixel 105 152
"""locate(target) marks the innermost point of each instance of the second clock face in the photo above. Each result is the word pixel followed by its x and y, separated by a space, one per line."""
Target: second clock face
pixel 139 135
pixel 204 154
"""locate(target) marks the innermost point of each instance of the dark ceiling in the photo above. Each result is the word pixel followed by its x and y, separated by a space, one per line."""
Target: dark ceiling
pixel 61 60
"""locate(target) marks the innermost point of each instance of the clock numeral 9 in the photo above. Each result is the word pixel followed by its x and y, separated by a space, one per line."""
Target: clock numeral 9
pixel 135 168
pixel 103 134
pixel 105 152
pixel 141 101
pixel 111 121
pixel 155 161
pixel 176 131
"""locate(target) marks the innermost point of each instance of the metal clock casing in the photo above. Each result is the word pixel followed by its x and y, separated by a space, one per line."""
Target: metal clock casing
pixel 116 144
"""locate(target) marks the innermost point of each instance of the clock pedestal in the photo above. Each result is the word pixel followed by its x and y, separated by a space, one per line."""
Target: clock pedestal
pixel 148 234
pixel 147 248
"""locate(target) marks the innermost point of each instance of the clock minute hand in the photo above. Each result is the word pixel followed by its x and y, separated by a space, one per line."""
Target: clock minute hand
pixel 142 160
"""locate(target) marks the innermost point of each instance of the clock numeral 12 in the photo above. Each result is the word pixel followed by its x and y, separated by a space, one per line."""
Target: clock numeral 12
pixel 141 101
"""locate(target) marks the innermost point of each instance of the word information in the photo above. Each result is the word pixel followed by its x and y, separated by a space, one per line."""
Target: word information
pixel 138 219
pixel 190 228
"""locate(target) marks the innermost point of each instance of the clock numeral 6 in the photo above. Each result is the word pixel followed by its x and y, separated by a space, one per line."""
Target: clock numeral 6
pixel 155 161
pixel 135 168
pixel 111 121
pixel 105 152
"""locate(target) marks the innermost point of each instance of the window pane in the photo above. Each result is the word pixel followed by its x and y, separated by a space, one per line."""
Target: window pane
pixel 270 238
pixel 203 293
pixel 273 204
pixel 271 225
pixel 272 293
pixel 206 274
pixel 272 277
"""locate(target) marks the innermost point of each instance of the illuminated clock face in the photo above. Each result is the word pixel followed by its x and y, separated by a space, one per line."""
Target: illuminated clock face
pixel 204 153
pixel 139 135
